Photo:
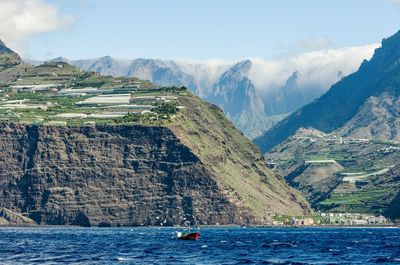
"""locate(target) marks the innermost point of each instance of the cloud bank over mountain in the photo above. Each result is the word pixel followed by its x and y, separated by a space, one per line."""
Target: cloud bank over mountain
pixel 205 73
pixel 316 69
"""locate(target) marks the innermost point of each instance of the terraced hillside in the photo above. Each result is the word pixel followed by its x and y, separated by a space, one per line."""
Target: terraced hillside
pixel 340 174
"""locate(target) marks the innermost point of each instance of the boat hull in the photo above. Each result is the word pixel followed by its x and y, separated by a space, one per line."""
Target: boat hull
pixel 189 236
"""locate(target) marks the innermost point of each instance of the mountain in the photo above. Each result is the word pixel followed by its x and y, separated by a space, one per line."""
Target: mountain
pixel 236 95
pixel 363 104
pixel 263 91
pixel 84 149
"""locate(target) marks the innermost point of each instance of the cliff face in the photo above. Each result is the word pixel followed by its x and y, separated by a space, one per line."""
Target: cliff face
pixel 108 175
pixel 377 118
pixel 135 175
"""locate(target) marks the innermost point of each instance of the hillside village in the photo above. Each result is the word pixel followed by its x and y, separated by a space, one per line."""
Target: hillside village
pixel 333 219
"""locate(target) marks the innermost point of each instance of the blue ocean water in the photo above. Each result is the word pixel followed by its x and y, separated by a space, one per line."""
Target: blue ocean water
pixel 56 245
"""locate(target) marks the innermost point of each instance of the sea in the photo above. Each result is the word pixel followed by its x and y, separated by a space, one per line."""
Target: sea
pixel 222 245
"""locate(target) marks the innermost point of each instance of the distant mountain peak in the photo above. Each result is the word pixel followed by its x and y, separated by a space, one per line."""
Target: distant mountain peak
pixel 292 79
pixel 238 72
pixel 243 66
pixel 245 63
pixel 238 87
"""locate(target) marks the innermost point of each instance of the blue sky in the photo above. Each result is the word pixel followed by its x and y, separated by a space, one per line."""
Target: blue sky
pixel 199 30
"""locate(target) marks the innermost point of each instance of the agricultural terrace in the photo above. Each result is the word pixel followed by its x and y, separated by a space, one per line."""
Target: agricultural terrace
pixel 59 94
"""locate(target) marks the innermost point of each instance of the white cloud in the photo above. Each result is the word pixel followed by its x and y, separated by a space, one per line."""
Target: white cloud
pixel 205 73
pixel 316 69
pixel 22 18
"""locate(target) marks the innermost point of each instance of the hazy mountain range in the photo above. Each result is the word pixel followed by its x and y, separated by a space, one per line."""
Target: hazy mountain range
pixel 364 104
pixel 254 93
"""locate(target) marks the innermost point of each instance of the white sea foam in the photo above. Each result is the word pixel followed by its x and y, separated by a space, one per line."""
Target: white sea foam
pixel 121 259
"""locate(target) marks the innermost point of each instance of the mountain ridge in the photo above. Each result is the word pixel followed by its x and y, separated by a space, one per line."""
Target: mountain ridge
pixel 344 99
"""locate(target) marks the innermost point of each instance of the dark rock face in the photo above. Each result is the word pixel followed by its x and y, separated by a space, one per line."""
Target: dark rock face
pixel 108 176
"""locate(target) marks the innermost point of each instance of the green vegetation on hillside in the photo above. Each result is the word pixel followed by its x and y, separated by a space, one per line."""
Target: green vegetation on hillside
pixel 235 162
pixel 365 180
pixel 57 93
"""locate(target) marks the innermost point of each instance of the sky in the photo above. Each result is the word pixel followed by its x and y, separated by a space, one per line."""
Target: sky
pixel 192 30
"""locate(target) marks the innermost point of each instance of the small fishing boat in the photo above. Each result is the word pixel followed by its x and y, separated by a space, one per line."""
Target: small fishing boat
pixel 187 236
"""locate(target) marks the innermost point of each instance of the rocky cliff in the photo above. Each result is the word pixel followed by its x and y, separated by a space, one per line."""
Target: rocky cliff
pixel 108 176
pixel 111 175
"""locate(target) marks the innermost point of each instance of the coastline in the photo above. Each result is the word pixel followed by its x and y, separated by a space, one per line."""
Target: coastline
pixel 210 226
